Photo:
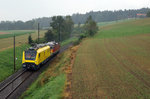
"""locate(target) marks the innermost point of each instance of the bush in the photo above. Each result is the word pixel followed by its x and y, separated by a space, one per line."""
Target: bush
pixel 76 42
pixel 30 41
pixel 82 36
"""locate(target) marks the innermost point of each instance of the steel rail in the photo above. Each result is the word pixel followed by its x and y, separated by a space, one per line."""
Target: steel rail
pixel 7 84
pixel 18 85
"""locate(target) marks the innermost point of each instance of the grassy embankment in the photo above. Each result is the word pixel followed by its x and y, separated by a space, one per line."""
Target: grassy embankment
pixel 114 63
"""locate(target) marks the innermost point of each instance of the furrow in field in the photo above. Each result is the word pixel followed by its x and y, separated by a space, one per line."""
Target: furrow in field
pixel 118 57
pixel 141 41
pixel 136 55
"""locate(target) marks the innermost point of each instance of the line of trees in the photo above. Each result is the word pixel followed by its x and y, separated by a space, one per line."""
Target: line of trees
pixel 98 16
pixel 103 16
pixel 18 25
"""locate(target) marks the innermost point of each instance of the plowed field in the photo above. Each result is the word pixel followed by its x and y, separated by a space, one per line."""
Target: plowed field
pixel 112 68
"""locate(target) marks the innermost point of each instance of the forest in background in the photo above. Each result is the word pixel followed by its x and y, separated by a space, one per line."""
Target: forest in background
pixel 98 16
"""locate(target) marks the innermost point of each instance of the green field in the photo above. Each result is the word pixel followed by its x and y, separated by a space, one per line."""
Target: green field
pixel 114 64
pixel 6 61
pixel 101 24
pixel 11 33
pixel 127 28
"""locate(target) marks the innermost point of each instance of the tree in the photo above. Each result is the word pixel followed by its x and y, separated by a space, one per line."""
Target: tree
pixel 57 25
pixel 91 26
pixel 49 36
pixel 68 27
pixel 30 41
pixel 62 27
pixel 148 14
pixel 69 24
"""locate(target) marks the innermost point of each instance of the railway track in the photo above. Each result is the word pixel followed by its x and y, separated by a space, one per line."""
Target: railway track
pixel 13 84
pixel 16 84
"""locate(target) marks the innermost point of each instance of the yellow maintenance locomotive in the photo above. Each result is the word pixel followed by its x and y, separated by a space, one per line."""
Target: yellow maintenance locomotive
pixel 34 57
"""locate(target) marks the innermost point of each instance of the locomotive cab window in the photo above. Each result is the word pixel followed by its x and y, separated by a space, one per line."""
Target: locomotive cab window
pixel 30 55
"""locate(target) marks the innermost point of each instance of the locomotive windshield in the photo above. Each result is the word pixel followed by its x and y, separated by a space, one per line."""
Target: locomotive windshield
pixel 30 55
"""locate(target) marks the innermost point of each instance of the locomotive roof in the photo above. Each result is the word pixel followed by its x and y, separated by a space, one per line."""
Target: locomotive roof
pixel 43 49
pixel 38 49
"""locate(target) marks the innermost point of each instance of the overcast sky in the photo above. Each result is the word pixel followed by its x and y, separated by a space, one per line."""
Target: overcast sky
pixel 29 9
